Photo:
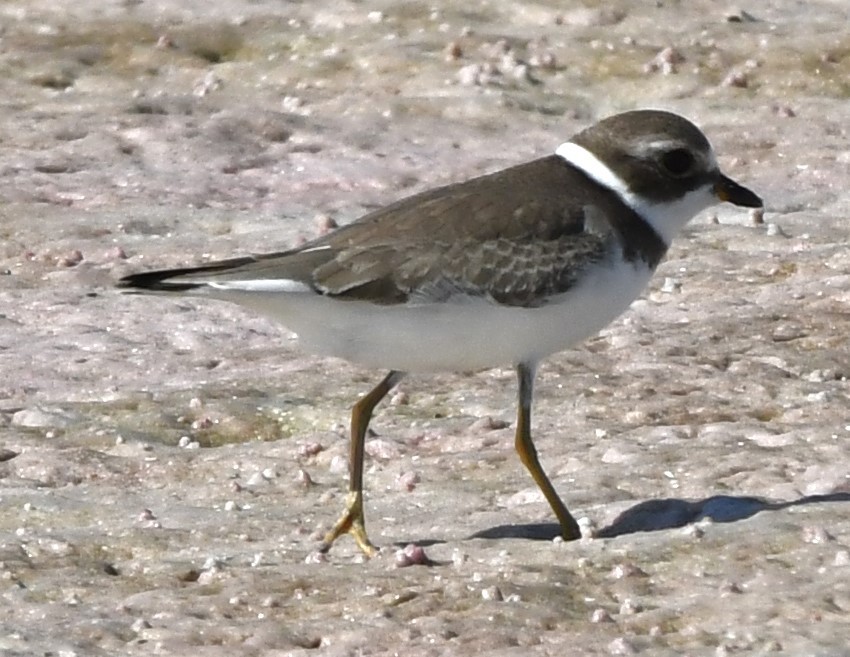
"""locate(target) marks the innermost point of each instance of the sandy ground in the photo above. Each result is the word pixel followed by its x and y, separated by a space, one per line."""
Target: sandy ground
pixel 168 465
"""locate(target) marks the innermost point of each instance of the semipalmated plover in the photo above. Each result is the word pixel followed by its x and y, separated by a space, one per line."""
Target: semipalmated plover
pixel 503 269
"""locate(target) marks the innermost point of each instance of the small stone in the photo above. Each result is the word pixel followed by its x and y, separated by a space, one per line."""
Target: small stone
pixel 730 587
pixel 666 62
pixel 693 531
pixel 487 423
pixel 309 449
pixel 670 285
pixel 756 216
pixel 72 599
pixel 70 259
pixel 735 79
pixel 630 607
pixel 303 477
pixel 202 423
pixel 626 570
pixel 816 535
pixel 842 558
pixel 453 51
pixel 545 60
pixel 206 85
pixel 787 331
pixel 407 480
pixel 382 449
pixel 493 593
pixel 601 616
pixel 775 230
pixel 411 555
pixel 324 224
pixel 187 443
pixel 338 465
pixel 621 646
pixel 140 624
pixel 271 602
pixel 784 111
pixel 146 515
pixel 740 16
pixel 400 398
pixel 459 558
pixel 316 557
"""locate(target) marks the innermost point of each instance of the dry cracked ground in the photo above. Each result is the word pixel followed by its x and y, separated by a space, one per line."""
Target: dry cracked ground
pixel 169 465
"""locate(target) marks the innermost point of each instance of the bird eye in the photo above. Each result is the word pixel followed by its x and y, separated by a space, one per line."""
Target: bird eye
pixel 678 162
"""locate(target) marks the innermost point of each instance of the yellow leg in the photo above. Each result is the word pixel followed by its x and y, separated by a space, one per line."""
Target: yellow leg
pixel 352 521
pixel 528 454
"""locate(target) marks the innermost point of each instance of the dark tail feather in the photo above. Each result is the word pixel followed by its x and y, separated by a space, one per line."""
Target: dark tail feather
pixel 169 280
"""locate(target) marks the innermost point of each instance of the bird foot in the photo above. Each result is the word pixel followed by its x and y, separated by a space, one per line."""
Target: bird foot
pixel 351 522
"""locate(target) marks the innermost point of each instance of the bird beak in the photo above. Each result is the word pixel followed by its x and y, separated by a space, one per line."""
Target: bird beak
pixel 727 189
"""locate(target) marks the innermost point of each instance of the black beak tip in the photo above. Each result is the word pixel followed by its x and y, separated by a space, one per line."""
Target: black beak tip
pixel 727 189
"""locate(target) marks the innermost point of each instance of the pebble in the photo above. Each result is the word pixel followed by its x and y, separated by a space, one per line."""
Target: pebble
pixel 325 224
pixel 70 259
pixel 493 593
pixel 730 587
pixel 411 555
pixel 775 230
pixel 453 51
pixel 626 570
pixel 487 423
pixel 140 624
pixel 407 480
pixel 816 534
pixel 379 448
pixel 187 443
pixel 399 398
pixel 735 79
pixel 309 449
pixel 316 557
pixel 42 417
pixel 666 62
pixel 670 285
pixel 629 607
pixel 601 616
pixel 621 646
pixel 303 478
pixel 756 216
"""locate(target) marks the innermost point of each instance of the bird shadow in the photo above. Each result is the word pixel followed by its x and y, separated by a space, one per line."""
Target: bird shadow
pixel 669 513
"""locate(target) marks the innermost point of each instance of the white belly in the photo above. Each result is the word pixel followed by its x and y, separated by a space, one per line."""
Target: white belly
pixel 461 335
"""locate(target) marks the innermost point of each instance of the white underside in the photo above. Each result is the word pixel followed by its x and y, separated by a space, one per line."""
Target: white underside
pixel 470 333
pixel 463 334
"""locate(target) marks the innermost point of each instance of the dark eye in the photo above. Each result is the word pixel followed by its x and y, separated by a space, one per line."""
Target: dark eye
pixel 678 162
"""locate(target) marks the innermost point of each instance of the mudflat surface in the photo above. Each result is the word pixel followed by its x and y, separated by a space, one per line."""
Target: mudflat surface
pixel 169 465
